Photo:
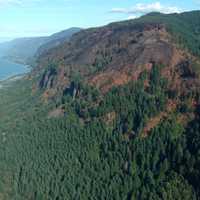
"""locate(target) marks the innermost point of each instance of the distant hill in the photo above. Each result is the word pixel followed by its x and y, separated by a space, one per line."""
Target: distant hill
pixel 57 39
pixel 24 49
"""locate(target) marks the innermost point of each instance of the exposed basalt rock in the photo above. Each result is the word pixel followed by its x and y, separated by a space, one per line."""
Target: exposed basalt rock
pixel 185 69
pixel 72 90
pixel 48 79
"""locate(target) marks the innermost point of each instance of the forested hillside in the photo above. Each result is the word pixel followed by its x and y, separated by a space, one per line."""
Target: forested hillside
pixel 111 114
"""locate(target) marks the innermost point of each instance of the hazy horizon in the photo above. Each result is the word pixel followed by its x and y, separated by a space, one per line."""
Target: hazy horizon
pixel 5 39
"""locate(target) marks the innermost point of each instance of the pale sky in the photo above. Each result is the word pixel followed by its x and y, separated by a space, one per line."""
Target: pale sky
pixel 19 18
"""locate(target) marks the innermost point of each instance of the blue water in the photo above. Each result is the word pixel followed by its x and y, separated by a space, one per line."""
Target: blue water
pixel 8 69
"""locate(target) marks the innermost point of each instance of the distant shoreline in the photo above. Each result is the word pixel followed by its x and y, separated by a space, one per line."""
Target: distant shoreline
pixel 11 77
pixel 6 81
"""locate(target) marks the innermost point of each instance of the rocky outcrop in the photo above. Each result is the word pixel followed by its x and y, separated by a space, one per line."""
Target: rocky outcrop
pixel 48 79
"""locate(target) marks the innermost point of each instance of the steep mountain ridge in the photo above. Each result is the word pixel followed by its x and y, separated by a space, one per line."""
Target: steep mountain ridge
pixel 24 49
pixel 121 53
pixel 56 39
pixel 118 53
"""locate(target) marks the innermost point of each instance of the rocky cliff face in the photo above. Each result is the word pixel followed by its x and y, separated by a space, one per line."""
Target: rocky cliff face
pixel 114 55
